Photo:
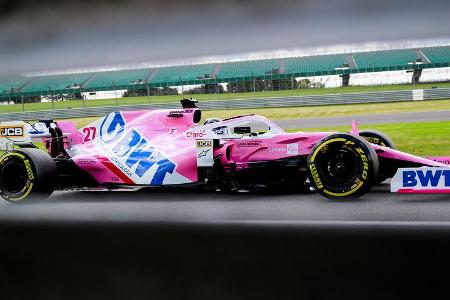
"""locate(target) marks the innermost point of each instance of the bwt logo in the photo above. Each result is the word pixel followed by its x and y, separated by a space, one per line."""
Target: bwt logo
pixel 426 178
pixel 132 149
pixel 11 131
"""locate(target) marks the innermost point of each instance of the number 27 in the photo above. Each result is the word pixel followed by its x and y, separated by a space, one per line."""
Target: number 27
pixel 89 134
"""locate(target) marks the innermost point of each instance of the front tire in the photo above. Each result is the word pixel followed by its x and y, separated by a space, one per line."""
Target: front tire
pixel 26 174
pixel 342 166
pixel 377 137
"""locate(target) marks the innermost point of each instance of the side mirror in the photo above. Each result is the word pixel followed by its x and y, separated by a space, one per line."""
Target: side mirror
pixel 242 130
pixel 188 103
pixel 197 116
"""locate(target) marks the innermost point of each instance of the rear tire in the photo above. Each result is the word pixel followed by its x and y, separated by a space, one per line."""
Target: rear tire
pixel 27 174
pixel 342 166
pixel 379 138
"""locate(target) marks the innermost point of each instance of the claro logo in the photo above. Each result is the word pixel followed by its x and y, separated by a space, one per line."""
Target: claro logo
pixel 11 131
pixel 196 134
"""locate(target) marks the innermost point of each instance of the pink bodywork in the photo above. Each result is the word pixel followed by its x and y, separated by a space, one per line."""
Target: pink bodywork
pixel 111 152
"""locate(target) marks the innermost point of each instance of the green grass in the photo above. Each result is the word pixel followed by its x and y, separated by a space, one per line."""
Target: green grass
pixel 81 122
pixel 421 138
pixel 334 110
pixel 226 96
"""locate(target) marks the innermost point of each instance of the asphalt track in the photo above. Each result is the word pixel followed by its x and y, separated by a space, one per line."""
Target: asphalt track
pixel 377 207
pixel 188 206
pixel 422 116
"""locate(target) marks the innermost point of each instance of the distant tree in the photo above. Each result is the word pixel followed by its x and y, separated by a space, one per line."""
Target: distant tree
pixel 304 84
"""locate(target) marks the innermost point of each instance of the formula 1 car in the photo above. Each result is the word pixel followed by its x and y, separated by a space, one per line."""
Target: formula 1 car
pixel 154 148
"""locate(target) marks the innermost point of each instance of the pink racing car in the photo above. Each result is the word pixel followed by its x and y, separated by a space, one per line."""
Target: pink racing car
pixel 153 148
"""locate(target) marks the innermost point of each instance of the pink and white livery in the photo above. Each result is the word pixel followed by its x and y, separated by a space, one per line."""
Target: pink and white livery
pixel 153 148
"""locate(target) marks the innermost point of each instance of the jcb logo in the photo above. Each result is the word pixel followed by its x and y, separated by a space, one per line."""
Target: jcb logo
pixel 11 131
pixel 204 144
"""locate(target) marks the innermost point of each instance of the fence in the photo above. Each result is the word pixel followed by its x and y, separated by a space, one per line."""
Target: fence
pixel 312 100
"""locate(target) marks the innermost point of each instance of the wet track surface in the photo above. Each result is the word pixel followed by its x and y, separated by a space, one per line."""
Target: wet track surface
pixel 215 207
pixel 421 116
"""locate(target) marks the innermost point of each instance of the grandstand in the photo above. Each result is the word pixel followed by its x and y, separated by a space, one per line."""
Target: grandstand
pixel 241 71
pixel 316 65
pixel 12 84
pixel 55 83
pixel 246 69
pixel 385 60
pixel 188 74
pixel 116 79
pixel 440 55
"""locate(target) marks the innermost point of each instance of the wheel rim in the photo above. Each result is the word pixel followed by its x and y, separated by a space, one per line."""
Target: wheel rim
pixel 13 177
pixel 340 166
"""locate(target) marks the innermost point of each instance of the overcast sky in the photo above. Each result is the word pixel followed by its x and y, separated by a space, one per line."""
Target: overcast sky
pixel 50 35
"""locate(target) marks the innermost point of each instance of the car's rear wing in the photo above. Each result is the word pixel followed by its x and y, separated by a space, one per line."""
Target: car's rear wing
pixel 20 133
pixel 12 133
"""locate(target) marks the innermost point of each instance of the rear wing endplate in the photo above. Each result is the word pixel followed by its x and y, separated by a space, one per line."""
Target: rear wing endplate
pixel 11 133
